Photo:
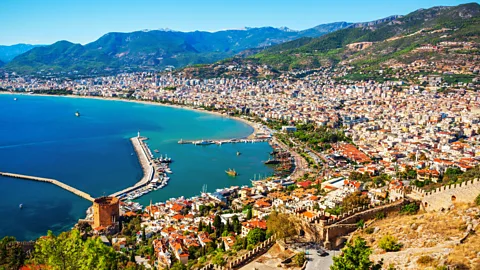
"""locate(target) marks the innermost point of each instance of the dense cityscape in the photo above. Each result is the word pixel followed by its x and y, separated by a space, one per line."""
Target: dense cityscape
pixel 375 167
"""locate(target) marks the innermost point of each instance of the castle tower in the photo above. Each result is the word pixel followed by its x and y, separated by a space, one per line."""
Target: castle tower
pixel 106 211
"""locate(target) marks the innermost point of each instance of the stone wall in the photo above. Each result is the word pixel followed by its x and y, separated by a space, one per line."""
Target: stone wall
pixel 246 258
pixel 444 197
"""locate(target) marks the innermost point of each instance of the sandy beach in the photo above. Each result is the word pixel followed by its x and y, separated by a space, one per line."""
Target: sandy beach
pixel 177 106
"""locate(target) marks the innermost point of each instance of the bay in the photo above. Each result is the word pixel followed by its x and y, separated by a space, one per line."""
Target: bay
pixel 41 136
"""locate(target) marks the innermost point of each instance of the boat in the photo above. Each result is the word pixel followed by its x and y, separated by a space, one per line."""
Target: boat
pixel 156 151
pixel 231 172
pixel 15 99
pixel 238 153
pixel 77 113
pixel 20 206
pixel 203 142
pixel 272 161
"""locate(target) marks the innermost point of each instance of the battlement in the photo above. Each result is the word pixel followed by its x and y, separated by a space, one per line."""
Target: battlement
pixel 444 197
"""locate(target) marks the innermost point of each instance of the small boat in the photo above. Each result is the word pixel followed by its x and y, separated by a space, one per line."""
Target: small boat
pixel 15 99
pixel 238 153
pixel 231 172
pixel 156 151
pixel 77 114
pixel 272 161
pixel 20 206
pixel 131 154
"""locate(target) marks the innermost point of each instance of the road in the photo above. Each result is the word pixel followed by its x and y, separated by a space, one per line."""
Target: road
pixel 316 262
pixel 301 165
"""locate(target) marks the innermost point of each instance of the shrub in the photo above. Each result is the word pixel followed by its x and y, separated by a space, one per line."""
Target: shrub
pixel 380 215
pixel 300 259
pixel 410 209
pixel 477 200
pixel 425 260
pixel 369 230
pixel 389 243
pixel 361 224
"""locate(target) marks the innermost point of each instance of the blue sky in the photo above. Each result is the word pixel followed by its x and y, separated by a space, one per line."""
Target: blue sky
pixel 83 21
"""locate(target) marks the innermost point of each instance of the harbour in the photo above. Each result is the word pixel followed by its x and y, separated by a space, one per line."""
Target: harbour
pixel 154 171
pixel 94 153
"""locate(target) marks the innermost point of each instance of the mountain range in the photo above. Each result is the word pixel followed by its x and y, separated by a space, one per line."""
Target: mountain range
pixel 155 49
pixel 7 53
pixel 369 44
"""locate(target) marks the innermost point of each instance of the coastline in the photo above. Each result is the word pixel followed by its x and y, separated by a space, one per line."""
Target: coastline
pixel 253 125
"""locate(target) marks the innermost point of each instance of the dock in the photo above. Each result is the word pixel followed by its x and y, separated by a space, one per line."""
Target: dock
pixel 146 161
pixel 220 142
pixel 51 181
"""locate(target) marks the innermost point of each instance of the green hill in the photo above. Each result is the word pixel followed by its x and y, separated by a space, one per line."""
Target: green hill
pixel 391 38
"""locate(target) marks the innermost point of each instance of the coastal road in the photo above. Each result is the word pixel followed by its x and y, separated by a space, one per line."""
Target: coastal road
pixel 301 164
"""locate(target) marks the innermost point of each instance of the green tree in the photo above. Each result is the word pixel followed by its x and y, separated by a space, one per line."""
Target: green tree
pixel 355 257
pixel 217 223
pixel 300 259
pixel 249 214
pixel 12 255
pixel 178 266
pixel 389 243
pixel 477 200
pixel 354 200
pixel 218 259
pixel 281 225
pixel 256 236
pixel 69 251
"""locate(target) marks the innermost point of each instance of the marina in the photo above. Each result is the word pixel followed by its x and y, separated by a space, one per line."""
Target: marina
pixel 155 171
pixel 220 142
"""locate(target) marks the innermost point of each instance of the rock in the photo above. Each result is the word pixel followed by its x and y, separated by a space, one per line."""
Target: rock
pixel 376 229
pixel 469 227
pixel 414 226
pixel 420 228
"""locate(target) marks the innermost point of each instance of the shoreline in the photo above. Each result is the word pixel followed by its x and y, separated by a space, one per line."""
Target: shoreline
pixel 251 124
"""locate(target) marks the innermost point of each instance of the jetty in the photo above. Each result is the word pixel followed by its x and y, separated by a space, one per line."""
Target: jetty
pixel 51 181
pixel 146 161
pixel 220 142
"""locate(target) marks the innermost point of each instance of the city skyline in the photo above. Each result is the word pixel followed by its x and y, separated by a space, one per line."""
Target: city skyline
pixel 50 21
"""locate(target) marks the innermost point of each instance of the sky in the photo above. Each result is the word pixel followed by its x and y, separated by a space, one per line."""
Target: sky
pixel 83 21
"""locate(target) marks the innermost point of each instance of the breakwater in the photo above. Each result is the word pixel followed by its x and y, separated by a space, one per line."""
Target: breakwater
pixel 51 181
pixel 146 161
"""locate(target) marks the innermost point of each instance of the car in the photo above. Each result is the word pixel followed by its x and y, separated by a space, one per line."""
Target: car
pixel 322 253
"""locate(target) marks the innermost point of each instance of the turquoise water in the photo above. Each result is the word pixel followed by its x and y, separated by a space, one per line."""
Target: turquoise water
pixel 41 136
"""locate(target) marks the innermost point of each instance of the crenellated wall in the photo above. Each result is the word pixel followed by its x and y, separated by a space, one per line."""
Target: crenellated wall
pixel 246 258
pixel 444 197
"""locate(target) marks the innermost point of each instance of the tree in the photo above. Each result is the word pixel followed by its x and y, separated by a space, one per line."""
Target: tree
pixel 354 200
pixel 255 236
pixel 12 255
pixel 218 259
pixel 477 200
pixel 178 266
pixel 249 214
pixel 300 259
pixel 69 251
pixel 281 225
pixel 355 257
pixel 389 243
pixel 217 223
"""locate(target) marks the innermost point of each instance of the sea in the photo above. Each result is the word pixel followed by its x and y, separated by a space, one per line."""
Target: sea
pixel 41 136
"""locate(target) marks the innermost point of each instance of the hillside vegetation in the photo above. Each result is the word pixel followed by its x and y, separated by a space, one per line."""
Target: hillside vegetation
pixel 393 38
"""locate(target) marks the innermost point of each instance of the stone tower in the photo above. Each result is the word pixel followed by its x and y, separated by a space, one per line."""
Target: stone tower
pixel 106 211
